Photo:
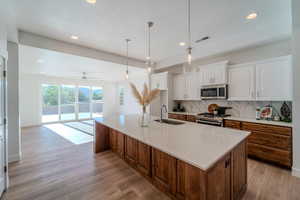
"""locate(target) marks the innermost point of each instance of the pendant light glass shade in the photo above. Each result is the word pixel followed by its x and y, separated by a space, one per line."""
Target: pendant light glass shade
pixel 189 49
pixel 189 56
pixel 148 57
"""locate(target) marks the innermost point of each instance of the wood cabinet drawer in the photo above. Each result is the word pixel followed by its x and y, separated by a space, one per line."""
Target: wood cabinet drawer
pixel 271 140
pixel 232 124
pixel 172 116
pixel 177 116
pixel 267 128
pixel 274 155
pixel 191 118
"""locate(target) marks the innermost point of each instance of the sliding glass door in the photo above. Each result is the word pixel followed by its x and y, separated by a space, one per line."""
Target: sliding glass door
pixel 67 102
pixel 50 108
pixel 70 102
pixel 84 100
pixel 97 101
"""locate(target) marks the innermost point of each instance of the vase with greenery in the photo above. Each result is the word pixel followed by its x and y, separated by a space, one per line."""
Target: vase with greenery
pixel 144 99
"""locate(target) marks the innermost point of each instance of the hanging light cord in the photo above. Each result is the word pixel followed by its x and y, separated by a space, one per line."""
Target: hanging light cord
pixel 150 24
pixel 127 41
pixel 189 23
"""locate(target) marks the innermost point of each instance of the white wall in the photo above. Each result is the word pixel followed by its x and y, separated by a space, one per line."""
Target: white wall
pixel 3 41
pixel 31 102
pixel 43 42
pixel 131 106
pixel 296 103
pixel 250 54
pixel 14 146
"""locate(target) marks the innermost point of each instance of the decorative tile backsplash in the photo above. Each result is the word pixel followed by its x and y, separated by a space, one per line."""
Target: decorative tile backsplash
pixel 245 109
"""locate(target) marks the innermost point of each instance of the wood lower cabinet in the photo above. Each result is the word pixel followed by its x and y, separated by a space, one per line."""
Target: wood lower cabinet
pixel 182 117
pixel 131 151
pixel 225 180
pixel 138 155
pixel 232 124
pixel 239 170
pixel 267 142
pixel 144 159
pixel 218 180
pixel 113 140
pixel 102 136
pixel 116 142
pixel 164 171
pixel 191 118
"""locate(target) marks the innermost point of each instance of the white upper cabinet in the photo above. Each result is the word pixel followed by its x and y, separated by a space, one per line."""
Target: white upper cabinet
pixel 179 87
pixel 186 86
pixel 159 81
pixel 268 80
pixel 213 74
pixel 274 79
pixel 241 82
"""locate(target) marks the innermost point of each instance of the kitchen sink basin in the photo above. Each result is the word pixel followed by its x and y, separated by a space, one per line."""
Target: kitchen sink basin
pixel 167 121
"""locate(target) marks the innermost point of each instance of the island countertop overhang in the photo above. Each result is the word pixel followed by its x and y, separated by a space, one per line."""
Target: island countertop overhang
pixel 199 145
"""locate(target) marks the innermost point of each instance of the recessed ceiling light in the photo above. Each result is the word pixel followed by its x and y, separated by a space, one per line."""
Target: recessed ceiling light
pixel 74 37
pixel 182 43
pixel 40 61
pixel 91 1
pixel 251 16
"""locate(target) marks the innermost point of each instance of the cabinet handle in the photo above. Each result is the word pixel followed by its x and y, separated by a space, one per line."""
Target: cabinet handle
pixel 227 163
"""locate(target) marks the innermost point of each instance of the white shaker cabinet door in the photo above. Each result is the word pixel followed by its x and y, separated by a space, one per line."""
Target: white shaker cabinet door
pixel 179 87
pixel 241 82
pixel 274 79
pixel 192 83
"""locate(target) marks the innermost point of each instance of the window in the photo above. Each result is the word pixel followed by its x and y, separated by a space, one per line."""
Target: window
pixel 121 96
pixel 97 101
pixel 84 102
pixel 67 96
pixel 50 110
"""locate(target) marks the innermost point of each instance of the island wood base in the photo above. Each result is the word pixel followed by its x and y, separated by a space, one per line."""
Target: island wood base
pixel 227 179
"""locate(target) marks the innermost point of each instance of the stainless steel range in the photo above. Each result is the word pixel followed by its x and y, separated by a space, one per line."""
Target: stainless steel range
pixel 211 119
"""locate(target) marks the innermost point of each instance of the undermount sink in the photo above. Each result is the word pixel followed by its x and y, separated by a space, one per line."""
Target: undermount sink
pixel 167 121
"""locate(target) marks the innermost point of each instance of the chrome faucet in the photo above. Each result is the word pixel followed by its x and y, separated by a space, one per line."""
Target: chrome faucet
pixel 163 106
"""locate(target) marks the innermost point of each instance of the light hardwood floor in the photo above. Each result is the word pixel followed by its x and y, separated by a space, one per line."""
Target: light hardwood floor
pixel 53 168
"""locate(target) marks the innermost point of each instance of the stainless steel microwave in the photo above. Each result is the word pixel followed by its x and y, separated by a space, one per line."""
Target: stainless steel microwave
pixel 214 92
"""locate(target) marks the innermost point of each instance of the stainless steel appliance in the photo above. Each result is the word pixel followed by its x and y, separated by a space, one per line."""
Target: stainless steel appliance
pixel 211 119
pixel 214 92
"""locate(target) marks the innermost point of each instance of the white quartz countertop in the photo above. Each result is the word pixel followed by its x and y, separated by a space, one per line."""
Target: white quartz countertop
pixel 197 144
pixel 276 123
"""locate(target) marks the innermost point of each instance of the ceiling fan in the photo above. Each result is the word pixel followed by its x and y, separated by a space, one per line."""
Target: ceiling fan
pixel 88 76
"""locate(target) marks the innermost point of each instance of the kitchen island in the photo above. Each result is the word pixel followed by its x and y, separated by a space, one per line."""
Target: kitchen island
pixel 187 161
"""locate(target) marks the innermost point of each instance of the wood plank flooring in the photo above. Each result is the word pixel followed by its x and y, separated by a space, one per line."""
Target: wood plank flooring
pixel 53 168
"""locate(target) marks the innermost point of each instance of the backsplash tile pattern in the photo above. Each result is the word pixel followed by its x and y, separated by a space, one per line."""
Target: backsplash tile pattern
pixel 244 109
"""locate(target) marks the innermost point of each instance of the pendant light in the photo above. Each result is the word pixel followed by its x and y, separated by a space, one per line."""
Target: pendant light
pixel 189 49
pixel 127 71
pixel 148 58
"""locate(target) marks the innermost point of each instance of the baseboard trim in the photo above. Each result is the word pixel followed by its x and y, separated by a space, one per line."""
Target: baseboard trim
pixel 296 172
pixel 14 158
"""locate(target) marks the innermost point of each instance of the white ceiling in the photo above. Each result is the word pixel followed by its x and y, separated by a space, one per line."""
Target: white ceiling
pixel 105 25
pixel 51 63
